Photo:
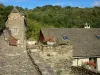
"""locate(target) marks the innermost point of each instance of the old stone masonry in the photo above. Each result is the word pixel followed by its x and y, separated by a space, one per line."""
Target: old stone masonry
pixel 15 61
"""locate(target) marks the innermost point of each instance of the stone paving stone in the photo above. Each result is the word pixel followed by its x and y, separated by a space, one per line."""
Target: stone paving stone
pixel 45 68
pixel 15 61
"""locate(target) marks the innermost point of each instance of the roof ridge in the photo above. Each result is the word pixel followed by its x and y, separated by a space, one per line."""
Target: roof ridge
pixel 14 10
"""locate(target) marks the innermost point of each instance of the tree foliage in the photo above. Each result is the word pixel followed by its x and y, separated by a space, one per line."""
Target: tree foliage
pixel 67 17
pixel 54 16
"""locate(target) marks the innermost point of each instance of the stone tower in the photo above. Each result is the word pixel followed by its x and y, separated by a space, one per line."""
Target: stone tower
pixel 16 24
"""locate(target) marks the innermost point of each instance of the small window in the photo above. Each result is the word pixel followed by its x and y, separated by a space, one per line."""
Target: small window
pixel 98 36
pixel 65 37
pixel 15 31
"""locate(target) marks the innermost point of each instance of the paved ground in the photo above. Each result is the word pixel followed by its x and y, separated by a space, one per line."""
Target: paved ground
pixel 42 65
pixel 15 61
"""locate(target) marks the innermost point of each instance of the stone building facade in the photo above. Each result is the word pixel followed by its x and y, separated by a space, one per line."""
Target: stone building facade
pixel 58 57
pixel 85 41
pixel 16 24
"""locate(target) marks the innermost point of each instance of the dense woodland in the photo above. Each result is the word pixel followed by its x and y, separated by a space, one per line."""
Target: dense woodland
pixel 54 16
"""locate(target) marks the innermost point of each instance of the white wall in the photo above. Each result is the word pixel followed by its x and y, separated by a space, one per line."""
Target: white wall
pixel 98 64
pixel 31 42
pixel 79 62
pixel 51 43
pixel 75 63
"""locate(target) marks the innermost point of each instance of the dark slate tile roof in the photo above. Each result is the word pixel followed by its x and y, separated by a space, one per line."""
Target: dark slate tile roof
pixel 85 43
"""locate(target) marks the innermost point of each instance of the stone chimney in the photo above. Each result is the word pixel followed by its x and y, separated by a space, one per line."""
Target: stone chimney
pixel 86 26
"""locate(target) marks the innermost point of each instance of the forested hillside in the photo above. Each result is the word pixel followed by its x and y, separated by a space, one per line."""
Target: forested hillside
pixel 54 16
pixel 4 12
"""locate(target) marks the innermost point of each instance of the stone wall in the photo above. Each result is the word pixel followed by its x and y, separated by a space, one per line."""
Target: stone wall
pixel 16 24
pixel 58 57
pixel 82 71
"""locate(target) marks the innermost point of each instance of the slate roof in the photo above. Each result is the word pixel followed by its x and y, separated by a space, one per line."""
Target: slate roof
pixel 14 10
pixel 85 43
pixel 31 39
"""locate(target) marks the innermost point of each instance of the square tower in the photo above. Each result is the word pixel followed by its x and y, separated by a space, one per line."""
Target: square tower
pixel 16 24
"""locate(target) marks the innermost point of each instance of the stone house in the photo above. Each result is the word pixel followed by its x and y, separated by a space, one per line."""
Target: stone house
pixel 85 41
pixel 16 24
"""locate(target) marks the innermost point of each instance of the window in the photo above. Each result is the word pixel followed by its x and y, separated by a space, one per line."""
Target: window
pixel 98 36
pixel 15 31
pixel 65 37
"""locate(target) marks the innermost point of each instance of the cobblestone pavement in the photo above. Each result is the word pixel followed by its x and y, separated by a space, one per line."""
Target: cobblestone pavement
pixel 15 61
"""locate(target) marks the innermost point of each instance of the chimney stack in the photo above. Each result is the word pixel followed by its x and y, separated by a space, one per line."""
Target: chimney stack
pixel 86 26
